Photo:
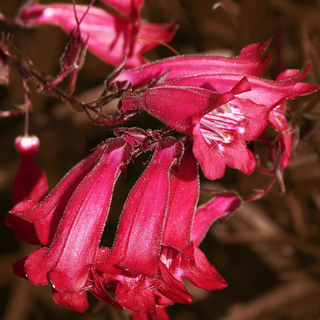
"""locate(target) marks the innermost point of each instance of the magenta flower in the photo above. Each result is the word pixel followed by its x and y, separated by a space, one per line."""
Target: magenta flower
pixel 46 215
pixel 288 135
pixel 277 119
pixel 154 248
pixel 30 183
pixel 186 227
pixel 69 223
pixel 110 35
pixel 180 256
pixel 224 131
pixel 182 108
pixel 195 268
pixel 222 111
pixel 134 260
pixel 247 63
pixel 139 223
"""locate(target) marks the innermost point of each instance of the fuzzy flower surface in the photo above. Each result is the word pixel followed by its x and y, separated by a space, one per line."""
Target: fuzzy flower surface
pixel 154 249
pixel 110 35
pixel 29 183
pixel 222 106
pixel 69 223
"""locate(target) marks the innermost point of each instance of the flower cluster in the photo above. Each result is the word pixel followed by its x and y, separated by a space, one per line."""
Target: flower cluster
pixel 214 109
pixel 157 238
pixel 221 102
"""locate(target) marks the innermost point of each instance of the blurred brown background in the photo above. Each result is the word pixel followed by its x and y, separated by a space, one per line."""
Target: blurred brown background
pixel 269 251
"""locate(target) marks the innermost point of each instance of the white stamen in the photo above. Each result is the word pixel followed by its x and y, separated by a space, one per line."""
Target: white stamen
pixel 226 108
pixel 220 125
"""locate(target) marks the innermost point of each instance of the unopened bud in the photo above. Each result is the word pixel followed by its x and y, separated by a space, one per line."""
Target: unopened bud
pixel 30 182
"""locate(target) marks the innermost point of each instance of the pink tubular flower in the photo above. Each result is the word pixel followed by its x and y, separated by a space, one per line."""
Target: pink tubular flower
pixel 69 223
pixel 154 250
pixel 143 217
pixel 247 63
pixel 179 256
pixel 197 268
pixel 111 36
pixel 183 107
pixel 186 227
pixel 134 260
pixel 46 215
pixel 223 132
pixel 30 183
pixel 222 110
pixel 277 119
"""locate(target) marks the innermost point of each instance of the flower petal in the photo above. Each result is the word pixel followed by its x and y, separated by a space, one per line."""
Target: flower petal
pixel 212 162
pixel 108 33
pixel 138 241
pixel 245 64
pixel 173 289
pixel 174 106
pixel 46 215
pixel 77 301
pixel 134 294
pixel 238 156
pixel 263 92
pixel 66 263
pixel 222 205
pixel 23 230
pixel 98 290
pixel 184 194
pixel 280 123
pixel 201 273
pixel 18 268
pixel 110 36
pixel 254 52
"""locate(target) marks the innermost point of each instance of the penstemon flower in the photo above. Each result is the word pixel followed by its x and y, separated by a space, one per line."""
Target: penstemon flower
pixel 143 211
pixel 288 135
pixel 69 223
pixel 45 215
pixel 221 111
pixel 146 268
pixel 110 36
pixel 214 108
pixel 247 63
pixel 134 260
pixel 30 183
